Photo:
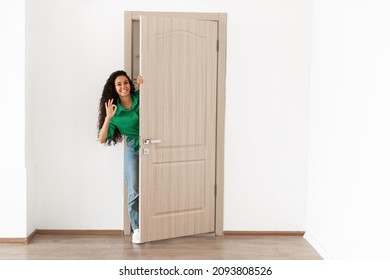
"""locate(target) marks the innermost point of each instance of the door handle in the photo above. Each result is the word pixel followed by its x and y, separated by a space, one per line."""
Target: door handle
pixel 151 141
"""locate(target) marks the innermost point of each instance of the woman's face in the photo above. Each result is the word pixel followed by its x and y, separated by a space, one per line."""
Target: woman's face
pixel 122 86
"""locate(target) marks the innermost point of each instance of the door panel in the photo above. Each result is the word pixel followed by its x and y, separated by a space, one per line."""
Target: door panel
pixel 178 62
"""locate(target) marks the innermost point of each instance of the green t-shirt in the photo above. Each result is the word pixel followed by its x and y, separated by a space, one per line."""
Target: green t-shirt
pixel 127 121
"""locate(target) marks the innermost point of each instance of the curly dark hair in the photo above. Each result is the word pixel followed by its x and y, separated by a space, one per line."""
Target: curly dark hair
pixel 109 92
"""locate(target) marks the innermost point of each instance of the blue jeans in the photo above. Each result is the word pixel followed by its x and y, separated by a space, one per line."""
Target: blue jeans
pixel 131 176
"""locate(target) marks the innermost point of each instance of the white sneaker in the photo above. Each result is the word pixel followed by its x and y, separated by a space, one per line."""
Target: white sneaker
pixel 136 237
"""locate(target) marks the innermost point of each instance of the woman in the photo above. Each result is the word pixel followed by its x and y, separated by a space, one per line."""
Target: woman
pixel 118 117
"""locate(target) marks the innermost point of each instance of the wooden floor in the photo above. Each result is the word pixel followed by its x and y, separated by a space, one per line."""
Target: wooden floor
pixel 200 247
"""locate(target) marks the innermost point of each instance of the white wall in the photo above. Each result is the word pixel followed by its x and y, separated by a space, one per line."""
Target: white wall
pixel 72 48
pixel 269 46
pixel 349 130
pixel 12 118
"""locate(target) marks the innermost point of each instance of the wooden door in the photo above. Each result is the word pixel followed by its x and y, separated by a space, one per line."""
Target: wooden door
pixel 178 61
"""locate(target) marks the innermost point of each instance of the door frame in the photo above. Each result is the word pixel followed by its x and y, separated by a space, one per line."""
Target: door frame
pixel 221 19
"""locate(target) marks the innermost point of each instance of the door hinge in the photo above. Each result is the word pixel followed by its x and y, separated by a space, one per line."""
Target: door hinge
pixel 217 45
pixel 215 189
